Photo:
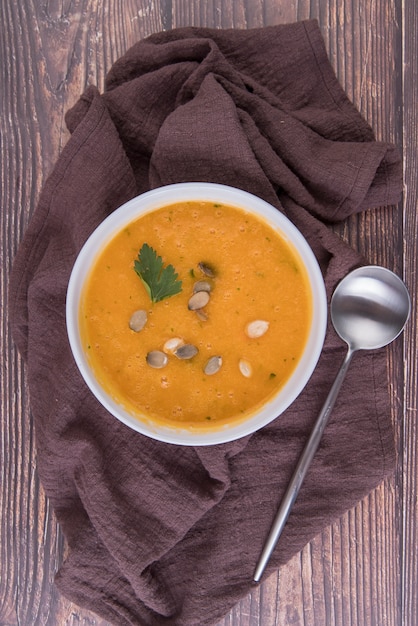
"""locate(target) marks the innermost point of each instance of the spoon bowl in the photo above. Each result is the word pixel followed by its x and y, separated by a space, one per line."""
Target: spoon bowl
pixel 369 309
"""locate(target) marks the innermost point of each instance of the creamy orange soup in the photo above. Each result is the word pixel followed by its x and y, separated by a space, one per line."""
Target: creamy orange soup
pixel 257 278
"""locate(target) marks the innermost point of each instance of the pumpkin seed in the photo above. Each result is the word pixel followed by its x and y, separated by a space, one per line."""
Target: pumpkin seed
pixel 206 269
pixel 172 344
pixel 256 329
pixel 213 365
pixel 187 351
pixel 157 359
pixel 202 285
pixel 198 300
pixel 201 315
pixel 138 320
pixel 245 368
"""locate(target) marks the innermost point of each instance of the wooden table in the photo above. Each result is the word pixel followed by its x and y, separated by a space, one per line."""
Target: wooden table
pixel 362 571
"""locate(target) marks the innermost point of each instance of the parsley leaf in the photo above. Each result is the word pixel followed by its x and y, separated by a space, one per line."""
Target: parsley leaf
pixel 159 281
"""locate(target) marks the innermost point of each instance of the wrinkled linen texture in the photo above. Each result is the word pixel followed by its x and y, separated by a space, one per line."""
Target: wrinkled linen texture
pixel 164 534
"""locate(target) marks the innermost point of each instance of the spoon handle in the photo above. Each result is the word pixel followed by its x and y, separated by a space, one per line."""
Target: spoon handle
pixel 299 474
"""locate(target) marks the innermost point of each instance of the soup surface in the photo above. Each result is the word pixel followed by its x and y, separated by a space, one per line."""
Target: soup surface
pixel 253 328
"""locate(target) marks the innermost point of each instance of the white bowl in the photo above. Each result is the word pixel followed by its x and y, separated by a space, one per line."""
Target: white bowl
pixel 201 192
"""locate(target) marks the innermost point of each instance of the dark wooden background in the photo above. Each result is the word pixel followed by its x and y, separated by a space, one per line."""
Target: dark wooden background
pixel 362 571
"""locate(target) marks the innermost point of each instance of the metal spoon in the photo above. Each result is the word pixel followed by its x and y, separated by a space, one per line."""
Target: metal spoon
pixel 369 309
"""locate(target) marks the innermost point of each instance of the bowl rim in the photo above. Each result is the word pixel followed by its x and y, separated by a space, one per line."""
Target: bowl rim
pixel 181 192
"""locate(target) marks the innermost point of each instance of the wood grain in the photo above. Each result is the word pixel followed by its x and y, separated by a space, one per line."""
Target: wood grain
pixel 408 469
pixel 361 571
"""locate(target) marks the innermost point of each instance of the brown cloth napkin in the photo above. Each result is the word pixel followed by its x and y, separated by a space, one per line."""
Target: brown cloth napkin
pixel 164 534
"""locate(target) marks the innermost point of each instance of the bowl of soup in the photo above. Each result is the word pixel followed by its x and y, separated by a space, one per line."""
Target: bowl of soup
pixel 196 313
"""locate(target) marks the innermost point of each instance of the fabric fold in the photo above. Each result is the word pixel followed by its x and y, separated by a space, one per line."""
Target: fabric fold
pixel 163 534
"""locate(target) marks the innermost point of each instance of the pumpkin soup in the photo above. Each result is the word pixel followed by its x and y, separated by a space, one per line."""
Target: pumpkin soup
pixel 195 314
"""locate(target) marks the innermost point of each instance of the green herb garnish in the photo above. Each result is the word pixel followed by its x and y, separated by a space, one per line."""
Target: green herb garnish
pixel 160 282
